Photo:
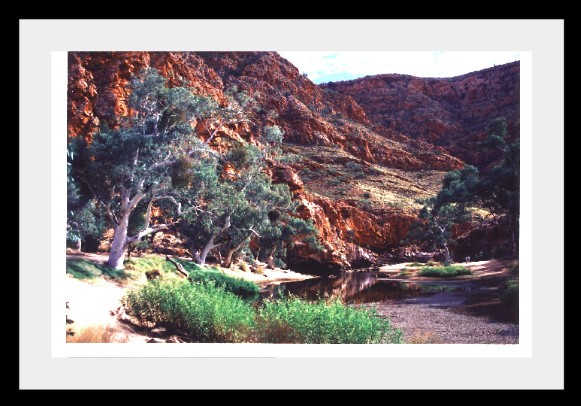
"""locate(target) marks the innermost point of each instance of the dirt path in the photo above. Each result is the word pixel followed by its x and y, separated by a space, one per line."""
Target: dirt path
pixel 93 310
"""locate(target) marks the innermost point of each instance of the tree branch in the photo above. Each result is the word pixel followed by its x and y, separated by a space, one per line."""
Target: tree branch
pixel 147 231
pixel 179 267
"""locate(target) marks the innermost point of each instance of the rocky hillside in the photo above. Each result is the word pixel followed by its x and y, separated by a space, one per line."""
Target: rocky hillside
pixel 357 173
pixel 448 112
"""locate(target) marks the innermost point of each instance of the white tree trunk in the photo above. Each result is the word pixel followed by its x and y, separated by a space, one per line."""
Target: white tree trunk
pixel 119 244
pixel 447 254
pixel 270 258
pixel 206 250
pixel 210 245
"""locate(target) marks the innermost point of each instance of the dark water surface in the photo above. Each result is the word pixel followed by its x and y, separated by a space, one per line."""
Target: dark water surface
pixel 364 287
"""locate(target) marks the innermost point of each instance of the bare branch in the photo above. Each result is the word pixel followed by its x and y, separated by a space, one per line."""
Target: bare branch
pixel 147 231
pixel 111 215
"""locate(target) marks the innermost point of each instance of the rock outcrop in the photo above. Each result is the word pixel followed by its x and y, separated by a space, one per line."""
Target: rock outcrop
pixel 388 120
pixel 447 112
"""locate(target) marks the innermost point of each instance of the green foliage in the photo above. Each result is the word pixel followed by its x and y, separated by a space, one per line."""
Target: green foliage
pixel 196 274
pixel 181 172
pixel 404 272
pixel 355 169
pixel 239 157
pixel 147 263
pixel 206 313
pixel 513 270
pixel 444 271
pixel 307 174
pixel 234 209
pixel 366 203
pixel 148 156
pixel 510 294
pixel 496 188
pixel 459 186
pixel 83 269
pixel 84 221
pixel 239 287
pixel 294 320
pixel 435 225
pixel 272 137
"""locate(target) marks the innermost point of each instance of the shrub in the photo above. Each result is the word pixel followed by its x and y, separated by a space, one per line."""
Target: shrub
pixel 197 273
pixel 367 195
pixel 307 174
pixel 365 203
pixel 149 263
pixel 404 272
pixel 355 169
pixel 203 311
pixel 294 320
pixel 510 294
pixel 207 313
pixel 244 266
pixel 239 287
pixel 444 271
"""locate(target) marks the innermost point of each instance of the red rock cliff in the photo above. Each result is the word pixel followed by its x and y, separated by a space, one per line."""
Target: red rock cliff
pixel 448 112
pixel 310 116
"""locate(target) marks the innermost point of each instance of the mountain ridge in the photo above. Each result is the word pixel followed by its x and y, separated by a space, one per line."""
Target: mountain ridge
pixel 356 178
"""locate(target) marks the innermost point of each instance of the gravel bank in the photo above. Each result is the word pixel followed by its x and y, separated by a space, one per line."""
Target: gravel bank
pixel 445 318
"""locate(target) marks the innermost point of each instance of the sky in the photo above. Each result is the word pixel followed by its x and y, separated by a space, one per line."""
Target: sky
pixel 326 66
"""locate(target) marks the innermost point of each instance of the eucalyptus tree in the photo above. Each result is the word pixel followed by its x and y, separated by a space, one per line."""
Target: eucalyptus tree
pixel 132 165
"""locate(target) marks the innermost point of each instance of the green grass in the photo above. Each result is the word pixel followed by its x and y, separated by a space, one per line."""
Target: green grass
pixel 198 274
pixel 438 288
pixel 510 294
pixel 404 272
pixel 87 270
pixel 295 320
pixel 148 263
pixel 208 313
pixel 444 271
pixel 240 287
pixel 204 312
pixel 135 267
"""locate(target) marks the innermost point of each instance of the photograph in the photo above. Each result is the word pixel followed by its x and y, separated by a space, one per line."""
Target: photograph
pixel 292 197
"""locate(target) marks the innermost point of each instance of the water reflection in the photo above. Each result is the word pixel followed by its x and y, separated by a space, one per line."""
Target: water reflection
pixel 358 287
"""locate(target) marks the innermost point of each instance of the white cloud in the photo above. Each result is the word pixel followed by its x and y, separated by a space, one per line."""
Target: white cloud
pixel 321 66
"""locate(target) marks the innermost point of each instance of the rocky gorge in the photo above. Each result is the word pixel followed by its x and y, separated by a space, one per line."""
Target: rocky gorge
pixel 365 150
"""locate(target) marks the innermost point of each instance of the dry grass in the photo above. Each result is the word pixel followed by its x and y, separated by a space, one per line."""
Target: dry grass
pixel 244 266
pixel 383 187
pixel 259 269
pixel 95 334
pixel 423 338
